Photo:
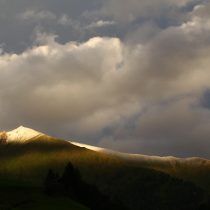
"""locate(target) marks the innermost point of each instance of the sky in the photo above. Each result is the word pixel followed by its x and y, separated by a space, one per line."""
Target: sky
pixel 132 76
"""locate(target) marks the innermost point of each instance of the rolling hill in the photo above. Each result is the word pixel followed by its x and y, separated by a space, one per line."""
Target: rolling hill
pixel 193 169
pixel 135 180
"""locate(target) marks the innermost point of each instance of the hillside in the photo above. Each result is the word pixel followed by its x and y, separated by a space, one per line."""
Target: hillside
pixel 25 198
pixel 192 169
pixel 132 179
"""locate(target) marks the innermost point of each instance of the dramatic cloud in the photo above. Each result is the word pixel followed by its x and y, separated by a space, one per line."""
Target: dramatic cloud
pixel 53 80
pixel 137 80
pixel 175 128
pixel 100 23
pixel 37 16
pixel 127 11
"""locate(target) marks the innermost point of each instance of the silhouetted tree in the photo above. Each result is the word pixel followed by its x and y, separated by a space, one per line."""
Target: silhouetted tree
pixel 71 180
pixel 71 184
pixel 51 182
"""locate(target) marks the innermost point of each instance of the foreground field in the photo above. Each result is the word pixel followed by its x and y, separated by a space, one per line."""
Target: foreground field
pixel 13 197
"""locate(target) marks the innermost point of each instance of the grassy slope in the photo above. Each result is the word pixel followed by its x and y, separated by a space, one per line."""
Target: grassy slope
pixel 196 170
pixel 22 171
pixel 48 152
pixel 25 198
pixel 31 161
pixel 28 164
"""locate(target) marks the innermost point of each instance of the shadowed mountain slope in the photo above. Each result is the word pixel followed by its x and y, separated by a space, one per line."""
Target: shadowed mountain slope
pixel 136 180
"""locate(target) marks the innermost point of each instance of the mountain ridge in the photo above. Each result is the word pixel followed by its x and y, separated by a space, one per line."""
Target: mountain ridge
pixel 24 134
pixel 136 156
pixel 113 172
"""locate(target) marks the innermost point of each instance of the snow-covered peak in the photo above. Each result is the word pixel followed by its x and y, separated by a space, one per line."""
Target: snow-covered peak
pixel 90 147
pixel 22 134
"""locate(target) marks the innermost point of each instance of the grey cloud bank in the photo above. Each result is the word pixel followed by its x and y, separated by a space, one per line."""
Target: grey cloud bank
pixel 128 84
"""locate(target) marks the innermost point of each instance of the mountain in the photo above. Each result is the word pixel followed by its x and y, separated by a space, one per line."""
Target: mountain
pixel 139 157
pixel 193 169
pixel 135 180
pixel 22 134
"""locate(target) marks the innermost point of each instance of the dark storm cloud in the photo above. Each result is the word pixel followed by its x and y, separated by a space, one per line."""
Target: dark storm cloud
pixel 19 18
pixel 137 85
pixel 72 20
pixel 127 11
pixel 205 100
pixel 182 121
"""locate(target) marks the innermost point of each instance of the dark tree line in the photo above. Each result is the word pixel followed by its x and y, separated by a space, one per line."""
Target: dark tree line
pixel 70 184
